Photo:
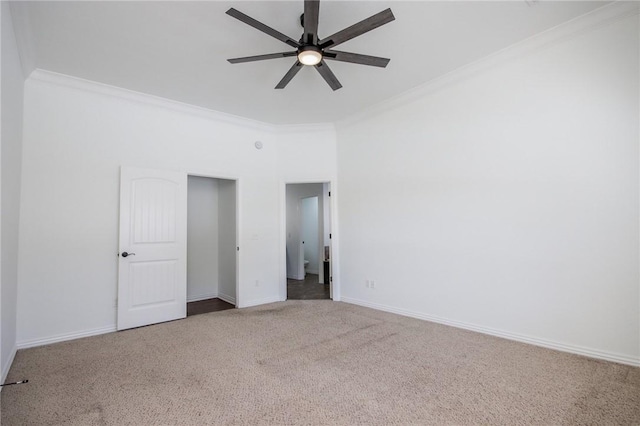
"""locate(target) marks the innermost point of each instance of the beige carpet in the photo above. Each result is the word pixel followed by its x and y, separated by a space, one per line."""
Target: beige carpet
pixel 312 362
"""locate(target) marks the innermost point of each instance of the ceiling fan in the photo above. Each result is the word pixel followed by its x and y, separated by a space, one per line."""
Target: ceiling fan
pixel 311 50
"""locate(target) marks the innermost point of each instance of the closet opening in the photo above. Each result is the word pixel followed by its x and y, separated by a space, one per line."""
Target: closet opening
pixel 211 244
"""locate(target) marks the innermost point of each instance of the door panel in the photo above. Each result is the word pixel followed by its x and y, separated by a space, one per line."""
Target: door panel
pixel 152 283
pixel 152 280
pixel 154 210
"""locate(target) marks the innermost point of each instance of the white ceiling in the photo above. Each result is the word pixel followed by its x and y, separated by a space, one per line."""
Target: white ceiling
pixel 178 50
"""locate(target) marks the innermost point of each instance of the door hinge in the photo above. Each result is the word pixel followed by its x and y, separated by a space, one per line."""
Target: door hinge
pixel 329 236
pixel 329 193
pixel 330 279
pixel 238 248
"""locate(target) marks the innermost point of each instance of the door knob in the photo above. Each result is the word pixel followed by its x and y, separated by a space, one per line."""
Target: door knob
pixel 125 254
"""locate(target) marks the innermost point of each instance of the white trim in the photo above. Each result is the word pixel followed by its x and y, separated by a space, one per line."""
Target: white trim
pixel 292 129
pixel 211 175
pixel 227 298
pixel 199 297
pixel 264 301
pixel 7 365
pixel 579 350
pixel 335 283
pixel 597 18
pixel 594 19
pixel 143 98
pixel 239 236
pixel 64 337
pixel 157 101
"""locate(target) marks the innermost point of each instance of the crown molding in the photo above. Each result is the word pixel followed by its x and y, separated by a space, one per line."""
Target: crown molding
pixel 143 98
pixel 81 84
pixel 588 22
pixel 292 129
pixel 595 19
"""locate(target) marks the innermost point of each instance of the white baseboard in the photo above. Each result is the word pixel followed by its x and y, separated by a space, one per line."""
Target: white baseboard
pixel 64 337
pixel 579 350
pixel 7 365
pixel 256 302
pixel 312 271
pixel 198 297
pixel 227 298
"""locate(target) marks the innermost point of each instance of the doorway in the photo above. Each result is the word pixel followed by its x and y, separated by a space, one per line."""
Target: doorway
pixel 211 244
pixel 308 231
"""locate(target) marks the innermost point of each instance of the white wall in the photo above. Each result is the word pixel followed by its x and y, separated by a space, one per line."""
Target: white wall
pixel 294 195
pixel 227 240
pixel 77 135
pixel 506 200
pixel 202 238
pixel 311 232
pixel 11 152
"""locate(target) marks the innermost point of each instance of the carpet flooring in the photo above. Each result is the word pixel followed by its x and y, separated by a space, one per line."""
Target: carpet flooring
pixel 312 362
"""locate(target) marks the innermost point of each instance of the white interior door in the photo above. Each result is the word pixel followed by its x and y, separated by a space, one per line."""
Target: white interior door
pixel 152 274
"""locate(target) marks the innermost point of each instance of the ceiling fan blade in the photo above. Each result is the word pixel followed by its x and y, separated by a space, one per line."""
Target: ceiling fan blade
pixel 262 57
pixel 356 58
pixel 262 27
pixel 328 75
pixel 311 14
pixel 371 23
pixel 289 75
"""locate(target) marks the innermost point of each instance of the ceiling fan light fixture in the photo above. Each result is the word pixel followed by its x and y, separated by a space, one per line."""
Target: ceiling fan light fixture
pixel 310 55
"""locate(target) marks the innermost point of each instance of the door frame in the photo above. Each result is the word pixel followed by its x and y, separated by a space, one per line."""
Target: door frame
pixel 214 175
pixel 334 242
pixel 301 247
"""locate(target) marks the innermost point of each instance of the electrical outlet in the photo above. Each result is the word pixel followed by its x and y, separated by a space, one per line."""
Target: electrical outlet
pixel 373 284
pixel 257 283
pixel 367 284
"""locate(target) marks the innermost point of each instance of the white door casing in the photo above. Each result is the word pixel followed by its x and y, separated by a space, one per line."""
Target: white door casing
pixel 152 277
